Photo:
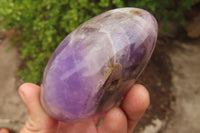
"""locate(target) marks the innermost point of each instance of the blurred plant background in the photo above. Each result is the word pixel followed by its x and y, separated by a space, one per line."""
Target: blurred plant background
pixel 41 25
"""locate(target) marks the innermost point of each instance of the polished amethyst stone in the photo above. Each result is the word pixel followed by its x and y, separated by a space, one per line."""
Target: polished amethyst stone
pixel 97 63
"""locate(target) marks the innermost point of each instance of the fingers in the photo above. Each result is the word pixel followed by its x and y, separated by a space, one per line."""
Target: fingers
pixel 134 105
pixel 3 130
pixel 114 122
pixel 38 119
pixel 80 127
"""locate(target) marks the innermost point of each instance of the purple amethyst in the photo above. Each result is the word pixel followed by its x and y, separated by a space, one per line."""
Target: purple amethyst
pixel 97 63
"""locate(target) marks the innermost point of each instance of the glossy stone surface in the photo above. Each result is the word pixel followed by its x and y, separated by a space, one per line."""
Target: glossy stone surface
pixel 97 63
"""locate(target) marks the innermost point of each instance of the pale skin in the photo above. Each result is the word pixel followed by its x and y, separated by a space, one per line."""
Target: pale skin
pixel 121 119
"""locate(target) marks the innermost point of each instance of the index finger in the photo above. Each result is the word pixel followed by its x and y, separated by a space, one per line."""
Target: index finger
pixel 134 105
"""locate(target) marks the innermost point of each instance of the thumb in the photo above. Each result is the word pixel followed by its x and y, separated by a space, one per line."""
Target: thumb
pixel 3 130
pixel 38 119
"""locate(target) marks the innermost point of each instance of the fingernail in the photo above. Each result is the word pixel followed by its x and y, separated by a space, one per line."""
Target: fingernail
pixel 22 95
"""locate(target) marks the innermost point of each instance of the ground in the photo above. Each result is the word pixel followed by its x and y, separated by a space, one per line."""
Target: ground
pixel 12 109
pixel 172 78
pixel 186 74
pixel 175 100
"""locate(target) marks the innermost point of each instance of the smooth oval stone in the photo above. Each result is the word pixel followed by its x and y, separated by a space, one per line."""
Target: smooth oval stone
pixel 96 64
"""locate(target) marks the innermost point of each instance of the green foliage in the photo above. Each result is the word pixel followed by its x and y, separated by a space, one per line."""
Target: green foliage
pixel 165 10
pixel 43 24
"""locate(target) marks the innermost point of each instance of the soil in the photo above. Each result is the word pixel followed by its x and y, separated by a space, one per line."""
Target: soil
pixel 158 82
pixel 172 78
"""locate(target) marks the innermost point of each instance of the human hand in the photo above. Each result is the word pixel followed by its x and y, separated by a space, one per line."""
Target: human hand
pixel 121 119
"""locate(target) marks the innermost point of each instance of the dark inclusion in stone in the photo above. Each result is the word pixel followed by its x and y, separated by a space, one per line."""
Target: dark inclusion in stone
pixel 97 63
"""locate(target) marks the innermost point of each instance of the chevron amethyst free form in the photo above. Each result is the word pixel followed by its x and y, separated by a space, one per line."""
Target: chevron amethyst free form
pixel 97 63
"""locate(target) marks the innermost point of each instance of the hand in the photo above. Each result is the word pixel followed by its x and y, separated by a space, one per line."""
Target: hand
pixel 118 120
